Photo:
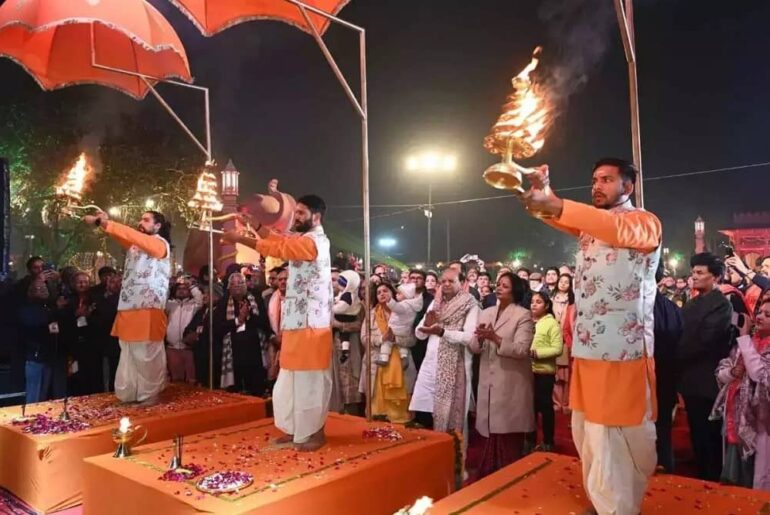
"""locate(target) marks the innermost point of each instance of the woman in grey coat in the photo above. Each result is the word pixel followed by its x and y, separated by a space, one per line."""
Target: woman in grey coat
pixel 505 412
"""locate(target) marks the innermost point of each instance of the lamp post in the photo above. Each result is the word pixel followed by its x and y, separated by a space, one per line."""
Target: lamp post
pixel 207 202
pixel 229 205
pixel 430 163
pixel 700 235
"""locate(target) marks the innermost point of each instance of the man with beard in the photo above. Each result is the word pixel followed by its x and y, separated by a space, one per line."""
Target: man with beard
pixel 303 388
pixel 613 388
pixel 140 325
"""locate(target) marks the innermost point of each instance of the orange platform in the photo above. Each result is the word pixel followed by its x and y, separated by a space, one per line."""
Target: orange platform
pixel 45 471
pixel 350 475
pixel 551 484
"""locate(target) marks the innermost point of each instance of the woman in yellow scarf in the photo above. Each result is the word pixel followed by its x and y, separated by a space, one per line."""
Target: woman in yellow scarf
pixel 389 389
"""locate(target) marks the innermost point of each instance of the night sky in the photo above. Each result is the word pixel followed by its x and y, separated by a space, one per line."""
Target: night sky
pixel 439 70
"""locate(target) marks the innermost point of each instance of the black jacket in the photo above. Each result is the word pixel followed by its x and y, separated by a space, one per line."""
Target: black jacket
pixel 706 339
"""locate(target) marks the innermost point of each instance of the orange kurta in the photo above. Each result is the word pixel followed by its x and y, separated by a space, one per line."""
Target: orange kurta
pixel 138 325
pixel 301 349
pixel 608 392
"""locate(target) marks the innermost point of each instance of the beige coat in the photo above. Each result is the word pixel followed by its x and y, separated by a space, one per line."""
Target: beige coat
pixel 506 396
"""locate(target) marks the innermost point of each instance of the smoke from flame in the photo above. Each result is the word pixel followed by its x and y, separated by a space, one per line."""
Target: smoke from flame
pixel 525 118
pixel 75 181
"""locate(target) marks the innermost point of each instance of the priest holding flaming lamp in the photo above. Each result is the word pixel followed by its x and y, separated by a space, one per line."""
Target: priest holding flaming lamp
pixel 613 388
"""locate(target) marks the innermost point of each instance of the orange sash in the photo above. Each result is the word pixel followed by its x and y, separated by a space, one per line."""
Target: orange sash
pixel 306 349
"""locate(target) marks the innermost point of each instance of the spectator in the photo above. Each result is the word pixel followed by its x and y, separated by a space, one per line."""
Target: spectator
pixel 101 320
pixel 79 336
pixel 431 282
pixel 705 341
pixel 535 282
pixel 505 411
pixel 743 403
pixel 180 311
pixel 199 326
pixel 335 281
pixel 682 292
pixel 566 270
pixel 551 278
pixel 564 312
pixel 392 383
pixel 104 275
pixel 460 268
pixel 340 261
pixel 547 345
pixel 420 280
pixel 272 283
pixel 524 274
pixel 668 332
pixel 760 282
pixel 36 267
pixel 274 314
pixel 443 386
pixel 488 298
pixel 45 355
pixel 245 326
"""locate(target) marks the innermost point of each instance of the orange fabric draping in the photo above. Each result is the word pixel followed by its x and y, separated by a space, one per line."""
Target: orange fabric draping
pixel 46 471
pixel 212 16
pixel 551 483
pixel 618 405
pixel 350 475
pixel 53 42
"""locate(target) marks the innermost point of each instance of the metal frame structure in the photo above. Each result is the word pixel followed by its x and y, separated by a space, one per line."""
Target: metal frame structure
pixel 624 9
pixel 207 223
pixel 363 113
pixel 361 108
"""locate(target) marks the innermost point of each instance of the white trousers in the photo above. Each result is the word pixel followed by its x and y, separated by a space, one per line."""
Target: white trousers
pixel 617 462
pixel 301 402
pixel 141 371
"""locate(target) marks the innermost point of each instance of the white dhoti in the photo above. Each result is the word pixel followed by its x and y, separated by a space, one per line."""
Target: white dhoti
pixel 301 402
pixel 617 462
pixel 141 372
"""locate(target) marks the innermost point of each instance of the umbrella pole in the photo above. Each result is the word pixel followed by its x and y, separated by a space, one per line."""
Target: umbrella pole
pixel 625 15
pixel 363 113
pixel 211 298
pixel 147 78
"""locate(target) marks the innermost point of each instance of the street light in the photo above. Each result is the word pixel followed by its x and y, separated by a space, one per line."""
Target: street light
pixel 516 263
pixel 431 163
pixel 387 242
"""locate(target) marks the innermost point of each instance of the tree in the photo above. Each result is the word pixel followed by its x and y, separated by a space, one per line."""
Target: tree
pixel 133 160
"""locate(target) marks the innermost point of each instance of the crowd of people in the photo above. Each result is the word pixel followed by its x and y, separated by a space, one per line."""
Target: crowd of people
pixel 502 354
pixel 447 349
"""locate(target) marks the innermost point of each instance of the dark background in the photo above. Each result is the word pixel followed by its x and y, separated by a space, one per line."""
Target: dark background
pixel 439 70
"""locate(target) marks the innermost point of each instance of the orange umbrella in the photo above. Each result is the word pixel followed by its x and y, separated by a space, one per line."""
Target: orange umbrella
pixel 66 42
pixel 212 16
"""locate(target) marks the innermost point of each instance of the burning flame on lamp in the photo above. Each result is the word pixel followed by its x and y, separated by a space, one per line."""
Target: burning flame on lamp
pixel 206 197
pixel 72 188
pixel 520 130
pixel 125 425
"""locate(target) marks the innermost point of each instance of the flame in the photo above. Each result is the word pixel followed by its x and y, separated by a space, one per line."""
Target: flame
pixel 525 117
pixel 206 197
pixel 72 188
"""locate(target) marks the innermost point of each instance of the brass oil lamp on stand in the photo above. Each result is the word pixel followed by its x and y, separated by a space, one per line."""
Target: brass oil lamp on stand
pixel 127 436
pixel 518 133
